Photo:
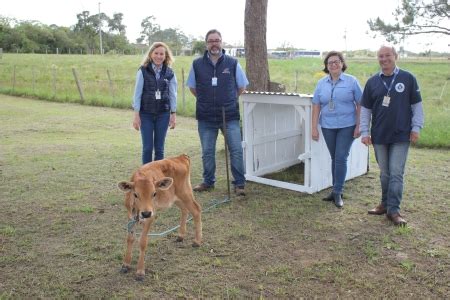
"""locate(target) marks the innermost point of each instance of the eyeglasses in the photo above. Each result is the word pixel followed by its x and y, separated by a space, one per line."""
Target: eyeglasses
pixel 334 62
pixel 214 41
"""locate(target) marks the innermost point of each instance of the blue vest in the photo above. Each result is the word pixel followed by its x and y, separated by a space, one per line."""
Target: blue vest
pixel 149 103
pixel 211 99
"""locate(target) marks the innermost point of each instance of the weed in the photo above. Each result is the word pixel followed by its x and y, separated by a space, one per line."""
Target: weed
pixel 407 265
pixel 7 231
pixel 371 252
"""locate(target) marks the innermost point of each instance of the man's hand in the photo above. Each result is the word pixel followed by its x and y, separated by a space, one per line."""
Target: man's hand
pixel 414 137
pixel 366 140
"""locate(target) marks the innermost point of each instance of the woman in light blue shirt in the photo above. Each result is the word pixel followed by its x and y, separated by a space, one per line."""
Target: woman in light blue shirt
pixel 155 100
pixel 336 102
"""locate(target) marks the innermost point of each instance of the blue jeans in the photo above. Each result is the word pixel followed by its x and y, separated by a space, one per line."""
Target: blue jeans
pixel 153 132
pixel 339 141
pixel 391 159
pixel 208 132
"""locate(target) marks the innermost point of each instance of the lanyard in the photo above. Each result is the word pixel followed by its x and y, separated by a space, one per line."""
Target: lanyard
pixel 333 86
pixel 392 82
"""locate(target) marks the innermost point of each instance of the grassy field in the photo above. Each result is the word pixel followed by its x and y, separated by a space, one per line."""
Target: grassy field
pixel 51 77
pixel 62 230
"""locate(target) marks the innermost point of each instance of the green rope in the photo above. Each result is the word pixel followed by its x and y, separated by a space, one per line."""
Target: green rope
pixel 213 203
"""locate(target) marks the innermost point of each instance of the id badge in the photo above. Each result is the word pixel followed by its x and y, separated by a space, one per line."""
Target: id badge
pixel 386 101
pixel 158 95
pixel 331 105
pixel 214 81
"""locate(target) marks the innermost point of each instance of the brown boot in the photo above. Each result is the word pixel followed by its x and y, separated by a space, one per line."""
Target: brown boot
pixel 379 210
pixel 397 219
pixel 203 187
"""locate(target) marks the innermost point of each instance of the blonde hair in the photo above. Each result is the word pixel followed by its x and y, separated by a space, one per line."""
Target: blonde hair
pixel 168 61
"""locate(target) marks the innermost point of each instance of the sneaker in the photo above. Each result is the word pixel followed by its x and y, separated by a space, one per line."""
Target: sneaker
pixel 203 187
pixel 239 191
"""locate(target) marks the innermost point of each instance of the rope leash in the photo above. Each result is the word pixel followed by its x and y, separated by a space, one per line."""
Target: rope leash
pixel 213 203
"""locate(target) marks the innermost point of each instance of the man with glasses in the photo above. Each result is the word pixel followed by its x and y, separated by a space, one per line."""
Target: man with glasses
pixel 392 100
pixel 217 80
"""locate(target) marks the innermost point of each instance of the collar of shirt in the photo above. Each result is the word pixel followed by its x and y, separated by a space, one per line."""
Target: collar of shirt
pixel 396 69
pixel 329 79
pixel 156 69
pixel 209 56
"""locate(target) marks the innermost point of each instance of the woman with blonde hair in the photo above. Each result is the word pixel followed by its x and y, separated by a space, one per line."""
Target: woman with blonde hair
pixel 155 100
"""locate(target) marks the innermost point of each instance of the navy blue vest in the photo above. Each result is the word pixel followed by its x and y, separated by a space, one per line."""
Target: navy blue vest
pixel 211 99
pixel 149 104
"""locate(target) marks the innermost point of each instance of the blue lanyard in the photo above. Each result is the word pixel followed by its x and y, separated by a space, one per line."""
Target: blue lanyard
pixel 333 86
pixel 392 82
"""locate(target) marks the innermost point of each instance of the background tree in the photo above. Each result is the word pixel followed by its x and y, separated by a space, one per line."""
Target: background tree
pixel 198 47
pixel 149 28
pixel 415 17
pixel 257 66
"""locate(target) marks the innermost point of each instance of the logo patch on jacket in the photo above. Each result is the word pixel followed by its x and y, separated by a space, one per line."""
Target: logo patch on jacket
pixel 400 87
pixel 226 71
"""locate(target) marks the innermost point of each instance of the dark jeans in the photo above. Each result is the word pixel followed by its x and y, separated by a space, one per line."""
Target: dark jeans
pixel 339 141
pixel 153 132
pixel 208 132
pixel 391 159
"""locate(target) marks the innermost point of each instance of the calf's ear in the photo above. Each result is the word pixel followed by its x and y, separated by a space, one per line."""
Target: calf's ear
pixel 164 183
pixel 125 186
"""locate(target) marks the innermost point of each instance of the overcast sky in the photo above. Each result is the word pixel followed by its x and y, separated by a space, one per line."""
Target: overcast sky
pixel 309 24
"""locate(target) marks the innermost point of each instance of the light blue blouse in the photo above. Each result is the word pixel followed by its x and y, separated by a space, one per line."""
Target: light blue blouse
pixel 346 94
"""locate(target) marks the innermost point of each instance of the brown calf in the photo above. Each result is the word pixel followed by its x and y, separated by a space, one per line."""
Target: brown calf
pixel 158 185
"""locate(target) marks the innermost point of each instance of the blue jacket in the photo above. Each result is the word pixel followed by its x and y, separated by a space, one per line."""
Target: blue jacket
pixel 211 99
pixel 149 103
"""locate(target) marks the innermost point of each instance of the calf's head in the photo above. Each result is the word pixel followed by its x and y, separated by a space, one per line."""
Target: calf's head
pixel 144 193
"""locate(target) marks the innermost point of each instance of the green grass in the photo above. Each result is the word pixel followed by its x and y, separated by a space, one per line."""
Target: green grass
pixel 62 230
pixel 433 77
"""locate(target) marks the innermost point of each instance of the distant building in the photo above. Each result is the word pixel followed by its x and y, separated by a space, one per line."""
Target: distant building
pixel 294 54
pixel 236 52
pixel 305 53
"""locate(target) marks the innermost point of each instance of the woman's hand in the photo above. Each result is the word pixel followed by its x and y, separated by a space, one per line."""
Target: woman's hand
pixel 315 134
pixel 356 132
pixel 137 121
pixel 173 120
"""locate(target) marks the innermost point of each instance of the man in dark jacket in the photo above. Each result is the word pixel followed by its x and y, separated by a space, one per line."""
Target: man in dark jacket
pixel 217 80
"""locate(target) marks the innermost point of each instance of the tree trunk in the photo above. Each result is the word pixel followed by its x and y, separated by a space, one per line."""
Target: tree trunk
pixel 257 66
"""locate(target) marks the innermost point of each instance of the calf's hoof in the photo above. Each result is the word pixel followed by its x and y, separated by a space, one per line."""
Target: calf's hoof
pixel 139 277
pixel 124 269
pixel 179 239
pixel 195 245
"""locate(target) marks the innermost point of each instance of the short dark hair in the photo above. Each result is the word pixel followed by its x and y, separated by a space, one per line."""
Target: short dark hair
pixel 211 32
pixel 341 58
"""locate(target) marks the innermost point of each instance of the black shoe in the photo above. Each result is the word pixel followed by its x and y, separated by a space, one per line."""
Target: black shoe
pixel 338 200
pixel 330 197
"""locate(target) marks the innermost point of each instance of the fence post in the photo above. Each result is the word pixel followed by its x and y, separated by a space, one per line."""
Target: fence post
pixel 33 73
pixel 54 80
pixel 296 80
pixel 80 89
pixel 14 78
pixel 111 89
pixel 183 91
